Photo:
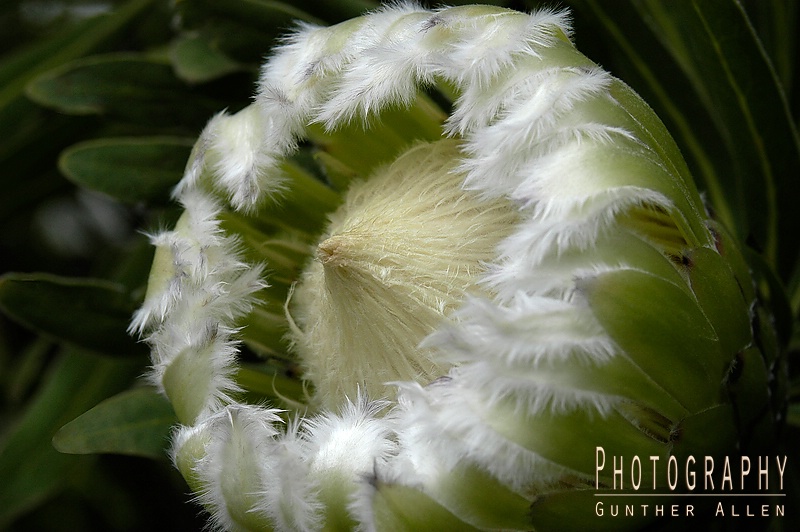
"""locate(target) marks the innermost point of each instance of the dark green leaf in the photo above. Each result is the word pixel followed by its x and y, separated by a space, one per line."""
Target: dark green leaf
pixel 85 312
pixel 197 61
pixel 793 415
pixel 76 42
pixel 26 161
pixel 261 13
pixel 128 169
pixel 340 10
pixel 26 370
pixel 23 123
pixel 30 469
pixel 716 46
pixel 244 30
pixel 136 422
pixel 776 22
pixel 131 87
pixel 704 69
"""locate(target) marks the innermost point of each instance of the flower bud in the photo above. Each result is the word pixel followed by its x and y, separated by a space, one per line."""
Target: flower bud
pixel 539 280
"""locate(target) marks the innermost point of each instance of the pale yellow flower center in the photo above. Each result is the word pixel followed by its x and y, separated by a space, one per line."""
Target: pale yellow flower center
pixel 402 252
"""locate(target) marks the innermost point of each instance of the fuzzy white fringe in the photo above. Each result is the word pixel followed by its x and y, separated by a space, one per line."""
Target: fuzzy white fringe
pixel 540 125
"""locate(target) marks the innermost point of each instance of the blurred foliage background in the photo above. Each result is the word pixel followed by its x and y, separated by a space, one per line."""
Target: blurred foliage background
pixel 100 103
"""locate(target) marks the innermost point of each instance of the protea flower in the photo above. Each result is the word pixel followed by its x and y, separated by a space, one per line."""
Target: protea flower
pixel 487 299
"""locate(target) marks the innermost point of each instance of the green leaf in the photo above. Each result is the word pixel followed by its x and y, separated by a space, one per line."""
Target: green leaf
pixel 274 380
pixel 130 87
pixel 197 61
pixel 129 169
pixel 31 469
pixel 776 21
pixel 716 46
pixel 244 30
pixel 569 438
pixel 260 13
pixel 793 414
pixel 694 433
pixel 751 393
pixel 28 176
pixel 24 374
pixel 76 42
pixel 24 125
pixel 338 11
pixel 703 68
pixel 87 312
pixel 135 422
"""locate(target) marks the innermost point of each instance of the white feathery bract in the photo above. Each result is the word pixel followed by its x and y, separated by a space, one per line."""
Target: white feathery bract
pixel 198 288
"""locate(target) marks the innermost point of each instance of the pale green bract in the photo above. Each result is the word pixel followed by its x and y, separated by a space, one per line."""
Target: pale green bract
pixel 479 317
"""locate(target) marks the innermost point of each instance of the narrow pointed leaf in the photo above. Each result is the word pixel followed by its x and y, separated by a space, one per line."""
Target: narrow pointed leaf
pixel 197 61
pixel 128 169
pixel 776 21
pixel 126 86
pixel 726 105
pixel 24 123
pixel 76 42
pixel 245 30
pixel 714 42
pixel 31 469
pixel 86 312
pixel 135 422
pixel 643 62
